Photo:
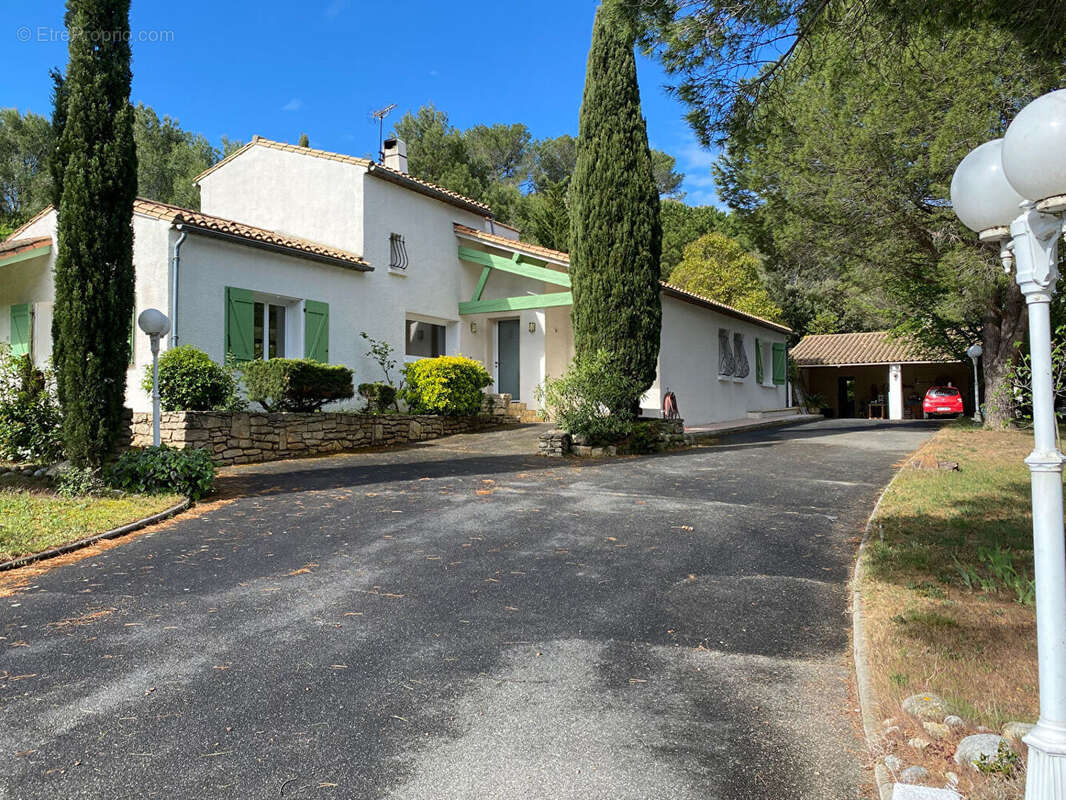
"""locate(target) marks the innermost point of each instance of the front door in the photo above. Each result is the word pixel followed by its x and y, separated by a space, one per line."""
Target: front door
pixel 507 357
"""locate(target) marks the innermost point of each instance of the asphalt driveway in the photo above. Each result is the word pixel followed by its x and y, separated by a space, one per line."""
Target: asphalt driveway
pixel 464 620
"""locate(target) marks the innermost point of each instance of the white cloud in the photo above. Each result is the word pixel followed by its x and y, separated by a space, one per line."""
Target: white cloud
pixel 696 162
pixel 293 105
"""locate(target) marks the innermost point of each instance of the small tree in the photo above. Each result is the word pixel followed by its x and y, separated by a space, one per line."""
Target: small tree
pixel 717 267
pixel 616 236
pixel 94 172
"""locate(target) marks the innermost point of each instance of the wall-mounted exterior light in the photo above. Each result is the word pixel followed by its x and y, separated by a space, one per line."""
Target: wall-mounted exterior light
pixel 473 327
pixel 532 327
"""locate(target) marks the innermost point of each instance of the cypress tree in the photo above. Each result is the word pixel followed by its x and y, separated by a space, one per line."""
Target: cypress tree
pixel 95 182
pixel 615 232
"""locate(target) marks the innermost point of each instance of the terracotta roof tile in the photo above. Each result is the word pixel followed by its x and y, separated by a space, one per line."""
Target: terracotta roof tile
pixel 374 168
pixel 534 250
pixel 878 347
pixel 14 247
pixel 227 227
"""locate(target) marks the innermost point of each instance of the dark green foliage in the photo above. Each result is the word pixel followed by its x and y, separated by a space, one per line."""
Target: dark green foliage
pixel 684 224
pixel 25 182
pixel 169 158
pixel 448 385
pixel 380 397
pixel 95 180
pixel 296 384
pixel 163 470
pixel 592 400
pixel 30 423
pixel 304 141
pixel 190 381
pixel 616 238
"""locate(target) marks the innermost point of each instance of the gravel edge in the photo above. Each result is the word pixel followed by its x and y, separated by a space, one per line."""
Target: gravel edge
pixel 867 696
pixel 22 561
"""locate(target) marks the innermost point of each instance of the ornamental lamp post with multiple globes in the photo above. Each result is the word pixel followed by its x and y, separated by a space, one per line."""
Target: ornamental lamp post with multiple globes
pixel 1012 191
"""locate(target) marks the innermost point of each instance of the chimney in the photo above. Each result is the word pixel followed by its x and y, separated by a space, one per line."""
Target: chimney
pixel 395 154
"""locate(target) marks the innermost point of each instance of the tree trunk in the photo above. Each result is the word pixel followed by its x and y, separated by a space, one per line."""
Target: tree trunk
pixel 1005 322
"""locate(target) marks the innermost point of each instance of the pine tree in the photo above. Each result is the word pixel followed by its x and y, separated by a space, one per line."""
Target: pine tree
pixel 95 181
pixel 615 232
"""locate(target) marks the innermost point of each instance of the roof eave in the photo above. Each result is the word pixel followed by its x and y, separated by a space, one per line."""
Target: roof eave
pixel 721 308
pixel 401 179
pixel 273 247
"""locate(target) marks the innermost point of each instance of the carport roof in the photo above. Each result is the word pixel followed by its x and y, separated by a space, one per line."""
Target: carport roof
pixel 855 349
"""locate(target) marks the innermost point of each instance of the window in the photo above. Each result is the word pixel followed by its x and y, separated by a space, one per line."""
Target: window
pixel 397 252
pixel 424 339
pixel 268 336
pixel 726 363
pixel 740 357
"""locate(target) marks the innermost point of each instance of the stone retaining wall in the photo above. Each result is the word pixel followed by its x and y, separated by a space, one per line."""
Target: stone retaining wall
pixel 556 443
pixel 248 437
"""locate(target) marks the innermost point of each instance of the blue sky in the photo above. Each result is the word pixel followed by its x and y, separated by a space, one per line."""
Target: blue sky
pixel 278 68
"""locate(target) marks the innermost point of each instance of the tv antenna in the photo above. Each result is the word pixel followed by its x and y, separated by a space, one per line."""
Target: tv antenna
pixel 380 115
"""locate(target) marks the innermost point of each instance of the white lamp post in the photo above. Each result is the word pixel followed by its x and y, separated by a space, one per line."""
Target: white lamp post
pixel 155 324
pixel 1020 181
pixel 974 351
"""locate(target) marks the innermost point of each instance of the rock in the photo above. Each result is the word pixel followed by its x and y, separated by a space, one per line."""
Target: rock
pixel 904 791
pixel 937 730
pixel 39 473
pixel 973 747
pixel 54 470
pixel 953 722
pixel 918 743
pixel 1016 730
pixel 893 763
pixel 913 774
pixel 925 706
pixel 892 730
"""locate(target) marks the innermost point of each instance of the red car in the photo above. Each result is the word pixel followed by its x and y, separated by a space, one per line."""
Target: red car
pixel 942 400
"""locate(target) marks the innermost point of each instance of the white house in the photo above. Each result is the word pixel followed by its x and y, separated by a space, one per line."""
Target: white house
pixel 328 246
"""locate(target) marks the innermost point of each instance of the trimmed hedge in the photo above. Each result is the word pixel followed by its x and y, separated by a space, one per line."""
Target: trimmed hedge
pixel 448 385
pixel 190 381
pixel 296 384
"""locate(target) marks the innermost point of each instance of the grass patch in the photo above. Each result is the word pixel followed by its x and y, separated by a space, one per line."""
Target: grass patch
pixel 947 585
pixel 32 521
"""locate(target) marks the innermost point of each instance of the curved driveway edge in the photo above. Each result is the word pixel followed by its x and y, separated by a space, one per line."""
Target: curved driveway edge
pixel 114 533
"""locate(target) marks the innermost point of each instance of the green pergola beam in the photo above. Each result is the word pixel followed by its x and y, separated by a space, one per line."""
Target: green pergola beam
pixel 516 303
pixel 481 283
pixel 513 266
pixel 34 253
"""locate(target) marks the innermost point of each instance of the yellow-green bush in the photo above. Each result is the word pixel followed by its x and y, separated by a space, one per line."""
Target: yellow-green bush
pixel 449 385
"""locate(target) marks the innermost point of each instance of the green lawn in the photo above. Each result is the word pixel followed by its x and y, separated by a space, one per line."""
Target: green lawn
pixel 947 590
pixel 32 521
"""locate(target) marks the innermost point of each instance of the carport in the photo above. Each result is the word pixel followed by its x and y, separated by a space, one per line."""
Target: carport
pixel 875 375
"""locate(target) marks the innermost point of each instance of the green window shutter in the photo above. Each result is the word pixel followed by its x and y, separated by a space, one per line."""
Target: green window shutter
pixel 240 324
pixel 20 329
pixel 759 373
pixel 316 331
pixel 780 369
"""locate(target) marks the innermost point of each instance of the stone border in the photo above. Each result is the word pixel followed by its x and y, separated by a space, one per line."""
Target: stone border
pixel 864 683
pixel 23 561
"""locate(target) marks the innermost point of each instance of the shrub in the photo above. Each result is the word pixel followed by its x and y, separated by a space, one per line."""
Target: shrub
pixel 79 482
pixel 296 384
pixel 592 399
pixel 30 421
pixel 163 470
pixel 449 385
pixel 380 397
pixel 190 381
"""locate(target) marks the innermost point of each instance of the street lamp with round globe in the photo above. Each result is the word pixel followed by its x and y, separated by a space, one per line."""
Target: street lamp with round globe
pixel 1033 150
pixel 1026 171
pixel 156 324
pixel 982 197
pixel 975 351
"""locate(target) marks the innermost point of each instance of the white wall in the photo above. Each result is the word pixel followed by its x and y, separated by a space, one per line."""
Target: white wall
pixel 688 366
pixel 301 195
